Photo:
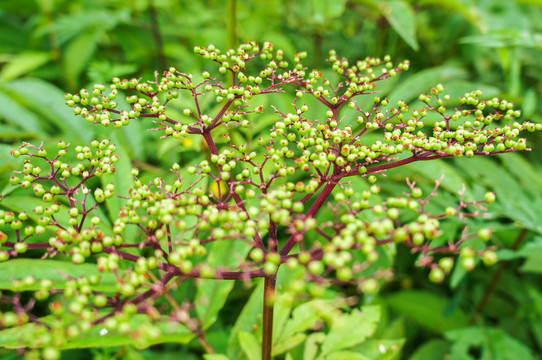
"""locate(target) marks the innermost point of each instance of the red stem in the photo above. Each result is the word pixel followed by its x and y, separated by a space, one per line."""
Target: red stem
pixel 312 211
pixel 268 299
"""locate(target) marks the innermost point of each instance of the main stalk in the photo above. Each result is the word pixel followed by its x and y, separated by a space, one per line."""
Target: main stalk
pixel 268 302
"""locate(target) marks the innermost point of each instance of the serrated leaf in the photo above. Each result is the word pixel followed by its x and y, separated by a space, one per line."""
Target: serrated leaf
pixel 304 317
pixel 427 309
pixel 211 294
pixel 288 344
pixel 311 345
pixel 341 335
pixel 401 18
pixel 281 313
pixel 247 319
pixel 57 271
pixel 250 345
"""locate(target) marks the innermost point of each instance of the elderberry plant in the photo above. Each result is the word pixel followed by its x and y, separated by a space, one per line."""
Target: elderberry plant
pixel 301 194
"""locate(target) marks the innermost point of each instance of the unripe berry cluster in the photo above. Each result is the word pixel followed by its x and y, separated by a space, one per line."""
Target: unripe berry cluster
pixel 302 193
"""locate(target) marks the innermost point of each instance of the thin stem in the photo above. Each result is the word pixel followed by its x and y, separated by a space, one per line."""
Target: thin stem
pixel 203 341
pixel 312 211
pixel 212 147
pixel 268 299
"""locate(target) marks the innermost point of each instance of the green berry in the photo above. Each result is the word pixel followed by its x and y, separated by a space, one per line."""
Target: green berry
pixel 490 197
pixel 370 286
pixel 436 275
pixel 489 258
pixel 484 234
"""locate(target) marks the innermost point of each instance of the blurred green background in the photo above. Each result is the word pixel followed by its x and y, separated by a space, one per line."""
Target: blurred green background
pixel 49 47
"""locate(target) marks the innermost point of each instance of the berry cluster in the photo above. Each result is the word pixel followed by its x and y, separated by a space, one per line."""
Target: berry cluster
pixel 265 196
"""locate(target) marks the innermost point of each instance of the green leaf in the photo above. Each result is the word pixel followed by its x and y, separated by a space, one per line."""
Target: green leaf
pixel 458 273
pixel 56 270
pixel 28 203
pixel 457 89
pixel 401 18
pixel 24 336
pixel 23 63
pixel 79 52
pixel 495 344
pixel 123 180
pixel 281 313
pixel 211 295
pixel 528 173
pixel 247 319
pixel 350 355
pixel 215 357
pixel 434 349
pixel 532 251
pixel 520 203
pixel 311 345
pixel 536 327
pixel 7 164
pixel 341 335
pixel 250 345
pixel 78 22
pixel 20 116
pixel 288 344
pixel 47 100
pixel 132 138
pixel 464 8
pixel 325 9
pixel 381 349
pixel 427 309
pixel 452 181
pixel 101 71
pixel 304 317
pixel 423 81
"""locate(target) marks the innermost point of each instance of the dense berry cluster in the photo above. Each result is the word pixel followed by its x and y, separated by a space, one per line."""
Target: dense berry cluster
pixel 285 198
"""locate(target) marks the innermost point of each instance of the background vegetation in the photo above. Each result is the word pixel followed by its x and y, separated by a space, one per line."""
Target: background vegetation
pixel 48 47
